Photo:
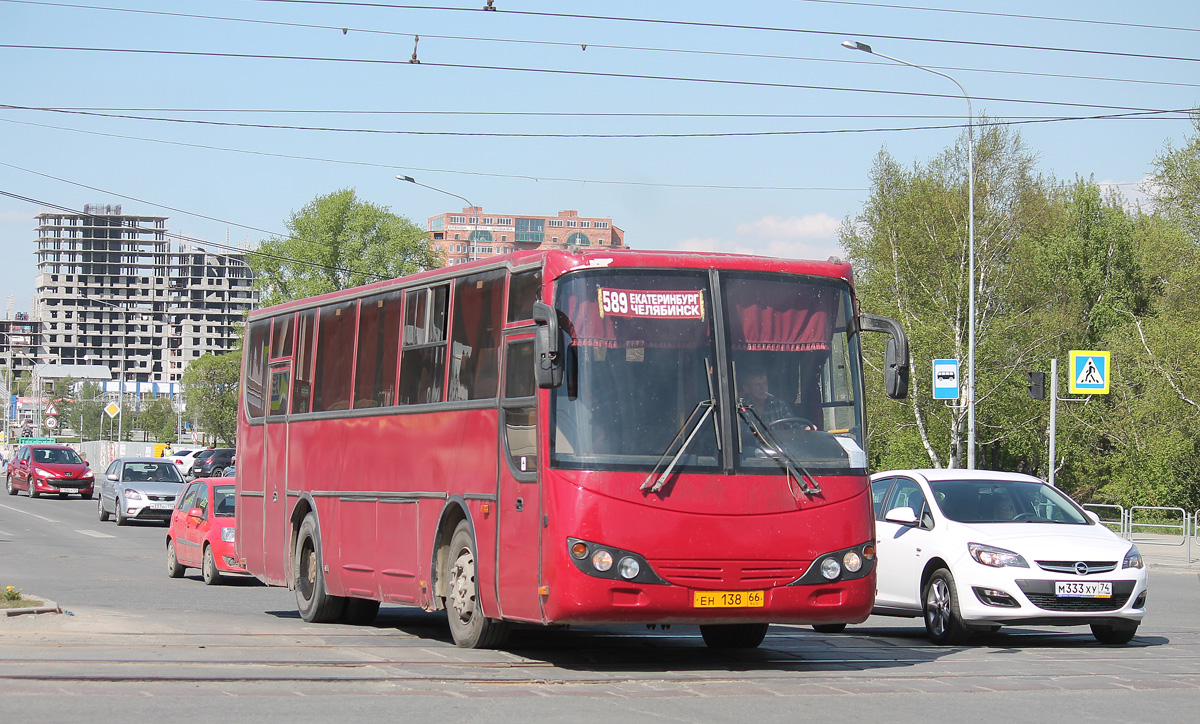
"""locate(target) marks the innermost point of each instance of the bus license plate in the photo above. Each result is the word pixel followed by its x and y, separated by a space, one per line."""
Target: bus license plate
pixel 727 599
pixel 1082 589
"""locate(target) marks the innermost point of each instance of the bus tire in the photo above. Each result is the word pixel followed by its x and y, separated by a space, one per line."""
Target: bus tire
pixel 360 612
pixel 734 635
pixel 469 628
pixel 313 601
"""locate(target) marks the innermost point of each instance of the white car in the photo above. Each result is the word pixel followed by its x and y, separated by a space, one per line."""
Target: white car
pixel 184 459
pixel 974 550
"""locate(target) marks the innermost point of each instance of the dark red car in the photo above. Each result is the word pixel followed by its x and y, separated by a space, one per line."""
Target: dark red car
pixel 50 469
pixel 201 533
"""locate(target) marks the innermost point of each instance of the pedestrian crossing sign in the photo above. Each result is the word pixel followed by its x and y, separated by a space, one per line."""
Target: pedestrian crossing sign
pixel 1089 372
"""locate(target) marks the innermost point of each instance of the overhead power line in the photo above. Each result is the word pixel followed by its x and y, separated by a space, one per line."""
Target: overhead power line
pixel 605 46
pixel 503 134
pixel 733 26
pixel 984 13
pixel 564 72
pixel 190 239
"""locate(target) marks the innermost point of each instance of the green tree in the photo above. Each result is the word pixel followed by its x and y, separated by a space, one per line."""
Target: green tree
pixel 210 384
pixel 910 251
pixel 338 241
pixel 157 419
pixel 81 407
pixel 1175 183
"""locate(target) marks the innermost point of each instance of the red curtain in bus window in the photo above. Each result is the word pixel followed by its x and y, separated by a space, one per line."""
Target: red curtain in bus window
pixel 781 316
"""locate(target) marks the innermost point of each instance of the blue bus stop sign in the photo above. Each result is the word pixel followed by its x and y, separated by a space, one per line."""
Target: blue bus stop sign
pixel 945 379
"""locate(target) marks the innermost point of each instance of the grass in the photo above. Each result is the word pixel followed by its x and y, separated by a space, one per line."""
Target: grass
pixel 12 597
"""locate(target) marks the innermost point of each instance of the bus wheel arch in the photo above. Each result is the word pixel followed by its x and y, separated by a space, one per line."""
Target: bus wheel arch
pixel 303 507
pixel 453 514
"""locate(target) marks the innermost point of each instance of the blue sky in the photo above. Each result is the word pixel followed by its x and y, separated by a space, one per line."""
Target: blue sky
pixel 736 139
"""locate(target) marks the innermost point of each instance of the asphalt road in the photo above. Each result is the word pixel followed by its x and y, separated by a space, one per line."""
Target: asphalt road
pixel 138 644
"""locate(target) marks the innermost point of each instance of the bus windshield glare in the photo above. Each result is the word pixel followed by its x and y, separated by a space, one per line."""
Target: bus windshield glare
pixel 776 356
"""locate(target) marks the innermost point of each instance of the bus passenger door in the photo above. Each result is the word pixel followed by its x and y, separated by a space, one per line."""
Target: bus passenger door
pixel 518 550
pixel 275 510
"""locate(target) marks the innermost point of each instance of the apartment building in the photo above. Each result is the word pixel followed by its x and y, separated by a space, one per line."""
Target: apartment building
pixel 114 289
pixel 470 234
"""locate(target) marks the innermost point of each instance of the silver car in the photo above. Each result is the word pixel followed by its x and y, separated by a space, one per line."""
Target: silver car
pixel 139 489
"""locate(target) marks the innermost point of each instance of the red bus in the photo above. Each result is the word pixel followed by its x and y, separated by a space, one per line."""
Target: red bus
pixel 567 437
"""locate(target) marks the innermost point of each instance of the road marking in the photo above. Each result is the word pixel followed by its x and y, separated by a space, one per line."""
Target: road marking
pixel 95 534
pixel 4 534
pixel 26 512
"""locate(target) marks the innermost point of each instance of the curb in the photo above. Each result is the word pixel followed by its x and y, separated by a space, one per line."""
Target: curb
pixel 46 607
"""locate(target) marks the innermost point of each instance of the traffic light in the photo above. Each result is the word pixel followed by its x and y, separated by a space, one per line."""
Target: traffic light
pixel 1037 385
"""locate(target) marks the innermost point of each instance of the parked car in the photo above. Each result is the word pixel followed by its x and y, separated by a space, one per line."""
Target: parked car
pixel 973 550
pixel 212 462
pixel 50 469
pixel 139 489
pixel 184 459
pixel 202 531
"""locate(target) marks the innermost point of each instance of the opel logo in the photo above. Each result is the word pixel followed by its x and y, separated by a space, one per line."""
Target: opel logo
pixel 1081 568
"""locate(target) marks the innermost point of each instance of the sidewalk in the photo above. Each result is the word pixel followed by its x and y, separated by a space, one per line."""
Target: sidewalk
pixel 1168 551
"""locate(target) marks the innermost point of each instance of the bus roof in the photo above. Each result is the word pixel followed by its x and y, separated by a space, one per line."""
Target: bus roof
pixel 561 261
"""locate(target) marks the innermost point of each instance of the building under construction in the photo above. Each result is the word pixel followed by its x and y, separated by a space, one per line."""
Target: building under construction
pixel 114 289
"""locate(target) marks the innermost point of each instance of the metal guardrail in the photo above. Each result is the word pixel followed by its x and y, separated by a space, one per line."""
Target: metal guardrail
pixel 1120 522
pixel 1185 526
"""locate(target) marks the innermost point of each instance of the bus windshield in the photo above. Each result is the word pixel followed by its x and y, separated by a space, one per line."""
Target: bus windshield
pixel 645 350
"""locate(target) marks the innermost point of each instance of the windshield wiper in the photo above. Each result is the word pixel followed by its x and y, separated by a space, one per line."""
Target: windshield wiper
pixel 762 432
pixel 694 427
pixel 709 406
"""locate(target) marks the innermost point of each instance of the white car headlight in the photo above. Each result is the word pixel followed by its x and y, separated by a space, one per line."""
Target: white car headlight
pixel 131 494
pixel 996 557
pixel 227 534
pixel 1133 559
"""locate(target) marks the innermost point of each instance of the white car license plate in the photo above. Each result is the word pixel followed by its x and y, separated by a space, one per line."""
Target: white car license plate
pixel 162 506
pixel 1083 589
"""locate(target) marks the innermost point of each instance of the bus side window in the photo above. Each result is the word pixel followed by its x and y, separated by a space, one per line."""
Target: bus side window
pixel 478 304
pixel 256 367
pixel 335 354
pixel 302 372
pixel 524 288
pixel 423 357
pixel 378 350
pixel 520 412
pixel 281 337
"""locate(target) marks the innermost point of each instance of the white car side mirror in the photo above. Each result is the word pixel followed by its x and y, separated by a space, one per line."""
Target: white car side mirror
pixel 1093 515
pixel 903 515
pixel 111 476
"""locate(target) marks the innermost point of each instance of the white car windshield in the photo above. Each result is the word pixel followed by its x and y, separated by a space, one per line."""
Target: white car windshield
pixel 1005 501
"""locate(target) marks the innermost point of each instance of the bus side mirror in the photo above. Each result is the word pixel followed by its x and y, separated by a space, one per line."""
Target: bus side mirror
pixel 548 360
pixel 895 360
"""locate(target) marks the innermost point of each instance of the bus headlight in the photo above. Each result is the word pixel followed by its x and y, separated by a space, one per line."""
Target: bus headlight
pixel 830 568
pixel 852 561
pixel 629 568
pixel 602 560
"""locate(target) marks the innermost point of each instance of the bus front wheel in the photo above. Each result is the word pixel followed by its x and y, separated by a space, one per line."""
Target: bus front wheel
pixel 469 628
pixel 314 602
pixel 733 635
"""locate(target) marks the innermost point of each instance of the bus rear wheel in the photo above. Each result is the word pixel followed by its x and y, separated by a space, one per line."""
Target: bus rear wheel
pixel 734 635
pixel 469 628
pixel 313 601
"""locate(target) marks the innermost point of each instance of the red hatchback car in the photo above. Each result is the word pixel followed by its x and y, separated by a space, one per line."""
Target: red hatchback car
pixel 201 533
pixel 50 469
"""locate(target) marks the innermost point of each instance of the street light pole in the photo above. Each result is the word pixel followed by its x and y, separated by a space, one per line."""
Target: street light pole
pixel 855 45
pixel 474 209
